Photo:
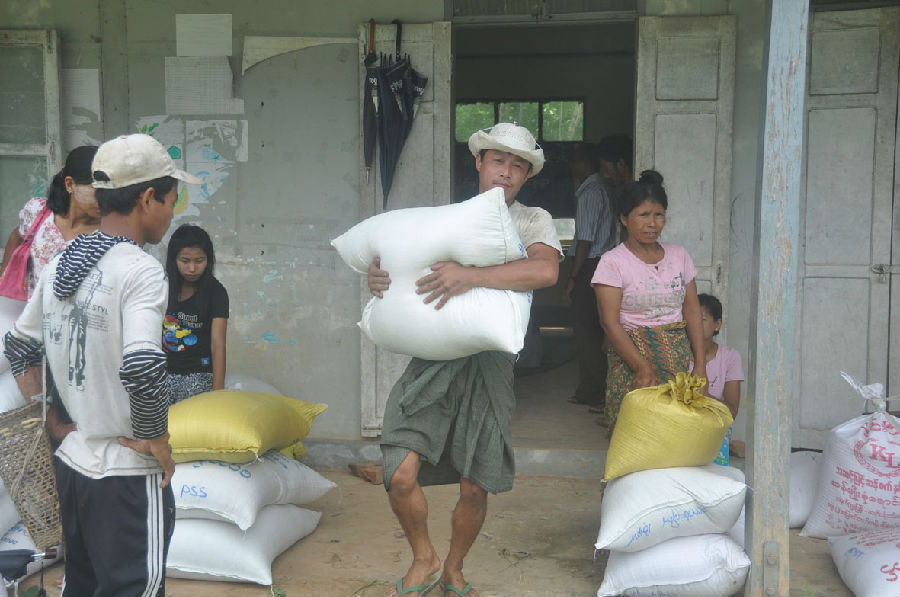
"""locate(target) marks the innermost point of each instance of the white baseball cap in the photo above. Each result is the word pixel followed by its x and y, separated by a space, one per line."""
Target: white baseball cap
pixel 131 159
pixel 512 138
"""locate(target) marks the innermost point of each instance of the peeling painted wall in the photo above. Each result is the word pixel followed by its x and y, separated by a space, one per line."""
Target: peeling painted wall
pixel 272 210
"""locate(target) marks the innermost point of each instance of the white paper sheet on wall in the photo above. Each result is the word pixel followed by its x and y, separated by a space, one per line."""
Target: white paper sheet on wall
pixel 200 85
pixel 203 35
pixel 80 112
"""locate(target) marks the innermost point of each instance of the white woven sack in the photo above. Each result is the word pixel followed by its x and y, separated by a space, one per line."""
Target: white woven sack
pixel 737 532
pixel 859 485
pixel 216 550
pixel 698 566
pixel 236 493
pixel 248 383
pixel 869 562
pixel 645 508
pixel 17 537
pixel 805 469
pixel 9 516
pixel 477 232
pixel 10 395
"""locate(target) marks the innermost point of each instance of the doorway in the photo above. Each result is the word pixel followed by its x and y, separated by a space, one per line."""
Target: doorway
pixel 568 84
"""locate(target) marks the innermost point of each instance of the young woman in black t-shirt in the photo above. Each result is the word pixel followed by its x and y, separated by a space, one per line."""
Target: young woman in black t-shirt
pixel 196 316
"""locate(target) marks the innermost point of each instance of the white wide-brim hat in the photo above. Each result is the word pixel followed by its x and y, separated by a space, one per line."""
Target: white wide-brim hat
pixel 512 138
pixel 131 159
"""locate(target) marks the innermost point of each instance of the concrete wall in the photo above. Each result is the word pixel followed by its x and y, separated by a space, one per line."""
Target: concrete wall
pixel 294 305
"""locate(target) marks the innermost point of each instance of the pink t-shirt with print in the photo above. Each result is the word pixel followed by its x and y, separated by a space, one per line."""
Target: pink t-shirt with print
pixel 724 367
pixel 652 293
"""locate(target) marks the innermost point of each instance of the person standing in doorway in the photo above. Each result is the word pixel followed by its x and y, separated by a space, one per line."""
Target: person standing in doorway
pixel 648 299
pixel 96 314
pixel 594 235
pixel 448 421
pixel 616 155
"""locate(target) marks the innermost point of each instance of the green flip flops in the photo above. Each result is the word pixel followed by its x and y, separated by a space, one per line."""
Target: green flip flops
pixel 459 593
pixel 420 589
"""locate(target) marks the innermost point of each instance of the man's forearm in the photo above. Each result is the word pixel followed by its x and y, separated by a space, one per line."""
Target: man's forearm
pixel 582 249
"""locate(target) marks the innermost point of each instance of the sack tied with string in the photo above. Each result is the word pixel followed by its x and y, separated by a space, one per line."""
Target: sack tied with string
pixel 668 425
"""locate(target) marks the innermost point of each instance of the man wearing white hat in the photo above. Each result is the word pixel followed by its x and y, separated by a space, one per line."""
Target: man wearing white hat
pixel 459 432
pixel 97 314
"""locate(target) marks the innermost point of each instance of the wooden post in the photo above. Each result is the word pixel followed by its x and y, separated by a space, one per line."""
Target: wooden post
pixel 775 304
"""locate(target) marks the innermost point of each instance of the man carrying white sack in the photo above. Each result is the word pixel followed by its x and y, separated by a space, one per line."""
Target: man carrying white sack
pixel 97 314
pixel 448 421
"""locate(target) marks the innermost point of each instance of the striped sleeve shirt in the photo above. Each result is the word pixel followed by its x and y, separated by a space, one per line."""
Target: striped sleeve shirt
pixel 594 219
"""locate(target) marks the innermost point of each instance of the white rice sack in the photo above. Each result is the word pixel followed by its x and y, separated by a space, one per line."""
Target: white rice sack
pixel 10 309
pixel 738 531
pixel 478 232
pixel 859 485
pixel 214 550
pixel 869 562
pixel 17 537
pixel 9 516
pixel 645 508
pixel 248 383
pixel 697 566
pixel 216 490
pixel 805 469
pixel 10 395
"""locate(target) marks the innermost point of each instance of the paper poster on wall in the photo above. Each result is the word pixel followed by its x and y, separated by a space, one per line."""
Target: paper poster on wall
pixel 203 35
pixel 213 147
pixel 80 118
pixel 200 85
pixel 168 130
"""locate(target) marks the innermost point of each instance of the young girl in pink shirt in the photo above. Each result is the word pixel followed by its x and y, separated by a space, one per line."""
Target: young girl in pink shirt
pixel 723 365
pixel 647 298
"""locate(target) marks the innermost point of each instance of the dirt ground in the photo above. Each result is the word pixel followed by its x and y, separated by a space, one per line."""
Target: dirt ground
pixel 537 540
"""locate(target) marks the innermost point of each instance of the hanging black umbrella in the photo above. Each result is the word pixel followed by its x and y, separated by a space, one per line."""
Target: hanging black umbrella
pixel 399 89
pixel 370 102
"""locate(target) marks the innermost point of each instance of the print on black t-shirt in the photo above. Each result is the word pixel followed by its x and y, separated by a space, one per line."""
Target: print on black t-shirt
pixel 187 329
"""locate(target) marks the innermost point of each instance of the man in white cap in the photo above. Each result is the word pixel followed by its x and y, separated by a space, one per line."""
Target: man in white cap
pixel 97 314
pixel 459 429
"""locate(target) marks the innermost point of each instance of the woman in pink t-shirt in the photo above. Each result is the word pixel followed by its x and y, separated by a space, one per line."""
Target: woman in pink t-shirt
pixel 647 298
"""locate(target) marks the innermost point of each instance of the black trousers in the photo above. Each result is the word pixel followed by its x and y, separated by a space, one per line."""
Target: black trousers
pixel 117 532
pixel 592 358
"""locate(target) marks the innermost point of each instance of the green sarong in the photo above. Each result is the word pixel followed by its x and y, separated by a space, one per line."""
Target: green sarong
pixel 455 415
pixel 665 347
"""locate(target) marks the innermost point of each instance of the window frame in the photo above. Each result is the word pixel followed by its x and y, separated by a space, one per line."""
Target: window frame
pixel 51 149
pixel 539 101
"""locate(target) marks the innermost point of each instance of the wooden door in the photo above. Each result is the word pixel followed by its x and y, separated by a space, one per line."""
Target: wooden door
pixel 422 178
pixel 683 129
pixel 846 216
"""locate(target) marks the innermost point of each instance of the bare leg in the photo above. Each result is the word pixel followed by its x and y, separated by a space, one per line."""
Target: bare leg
pixel 468 518
pixel 411 509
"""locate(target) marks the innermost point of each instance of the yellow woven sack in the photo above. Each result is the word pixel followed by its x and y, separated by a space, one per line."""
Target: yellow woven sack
pixel 295 451
pixel 235 426
pixel 665 426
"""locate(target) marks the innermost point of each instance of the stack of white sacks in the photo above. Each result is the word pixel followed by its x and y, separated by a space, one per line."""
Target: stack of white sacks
pixel 857 501
pixel 666 530
pixel 233 520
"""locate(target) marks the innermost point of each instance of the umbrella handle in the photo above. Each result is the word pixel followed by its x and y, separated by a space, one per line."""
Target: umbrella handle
pixel 399 37
pixel 371 36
